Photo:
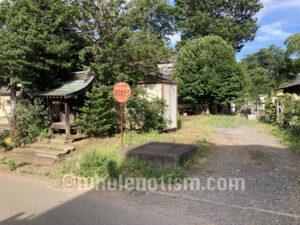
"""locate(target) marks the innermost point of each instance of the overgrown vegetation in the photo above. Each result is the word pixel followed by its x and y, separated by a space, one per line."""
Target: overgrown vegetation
pixel 100 115
pixel 288 110
pixel 94 163
pixel 144 112
pixel 101 161
pixel 32 121
pixel 288 136
pixel 286 125
pixel 271 67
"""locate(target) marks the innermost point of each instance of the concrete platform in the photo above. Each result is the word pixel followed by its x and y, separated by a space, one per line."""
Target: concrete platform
pixel 159 154
pixel 46 151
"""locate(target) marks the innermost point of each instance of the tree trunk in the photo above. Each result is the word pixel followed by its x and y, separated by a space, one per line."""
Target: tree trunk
pixel 277 110
pixel 293 115
pixel 13 104
pixel 207 111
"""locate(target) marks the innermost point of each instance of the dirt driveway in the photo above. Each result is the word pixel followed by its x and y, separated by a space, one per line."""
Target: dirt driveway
pixel 272 183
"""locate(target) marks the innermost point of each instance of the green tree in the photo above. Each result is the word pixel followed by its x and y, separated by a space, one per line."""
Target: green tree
pixel 125 37
pixel 207 71
pixel 257 82
pixel 37 44
pixel 268 69
pixel 233 20
pixel 98 115
pixel 293 45
pixel 293 49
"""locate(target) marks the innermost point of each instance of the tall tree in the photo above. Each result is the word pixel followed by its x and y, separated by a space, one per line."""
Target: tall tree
pixel 293 45
pixel 125 37
pixel 233 20
pixel 37 44
pixel 272 66
pixel 207 72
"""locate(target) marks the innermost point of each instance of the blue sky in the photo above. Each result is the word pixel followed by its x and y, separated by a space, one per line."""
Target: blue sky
pixel 277 20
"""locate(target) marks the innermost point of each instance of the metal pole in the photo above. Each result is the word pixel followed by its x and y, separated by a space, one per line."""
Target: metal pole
pixel 122 121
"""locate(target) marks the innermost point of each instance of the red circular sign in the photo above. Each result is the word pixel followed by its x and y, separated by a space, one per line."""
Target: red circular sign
pixel 122 92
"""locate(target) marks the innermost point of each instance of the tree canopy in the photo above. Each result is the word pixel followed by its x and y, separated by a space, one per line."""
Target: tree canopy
pixel 293 45
pixel 268 69
pixel 126 38
pixel 37 42
pixel 207 71
pixel 233 20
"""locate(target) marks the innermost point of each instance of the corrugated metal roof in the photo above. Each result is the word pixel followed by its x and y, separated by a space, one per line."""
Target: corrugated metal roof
pixel 160 75
pixel 69 88
pixel 295 83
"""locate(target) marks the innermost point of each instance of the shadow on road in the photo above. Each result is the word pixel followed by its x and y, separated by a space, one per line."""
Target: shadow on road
pixel 272 182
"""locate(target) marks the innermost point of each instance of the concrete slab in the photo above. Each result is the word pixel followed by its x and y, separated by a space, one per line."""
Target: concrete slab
pixel 159 154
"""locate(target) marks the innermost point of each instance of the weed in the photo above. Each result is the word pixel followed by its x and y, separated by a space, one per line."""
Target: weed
pixel 112 169
pixel 288 136
pixel 11 164
pixel 25 171
pixel 46 173
pixel 138 168
pixel 102 161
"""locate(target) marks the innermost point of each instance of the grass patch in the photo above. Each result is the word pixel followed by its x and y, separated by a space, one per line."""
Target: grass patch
pixel 25 171
pixel 101 161
pixel 206 124
pixel 141 169
pixel 11 164
pixel 289 137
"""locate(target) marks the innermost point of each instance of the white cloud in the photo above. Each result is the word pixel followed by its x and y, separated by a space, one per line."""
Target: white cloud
pixel 271 5
pixel 273 31
pixel 174 38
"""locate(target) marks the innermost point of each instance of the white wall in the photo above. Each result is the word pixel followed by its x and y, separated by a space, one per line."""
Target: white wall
pixel 170 111
pixel 169 93
pixel 4 108
pixel 153 90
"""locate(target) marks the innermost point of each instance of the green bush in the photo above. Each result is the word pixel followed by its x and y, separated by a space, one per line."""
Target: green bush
pixel 92 164
pixel 270 109
pixel 144 112
pixel 100 115
pixel 290 135
pixel 31 122
pixel 112 168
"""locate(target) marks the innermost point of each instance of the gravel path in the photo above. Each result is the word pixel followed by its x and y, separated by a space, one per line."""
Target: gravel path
pixel 272 183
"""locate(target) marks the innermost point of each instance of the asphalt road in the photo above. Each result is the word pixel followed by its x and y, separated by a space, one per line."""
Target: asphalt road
pixel 26 200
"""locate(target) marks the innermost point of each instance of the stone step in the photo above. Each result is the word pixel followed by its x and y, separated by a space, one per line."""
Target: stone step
pixel 51 154
pixel 56 141
pixel 63 139
pixel 49 146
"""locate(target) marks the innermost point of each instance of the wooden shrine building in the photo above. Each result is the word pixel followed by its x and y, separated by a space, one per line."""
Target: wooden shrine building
pixel 294 87
pixel 63 100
